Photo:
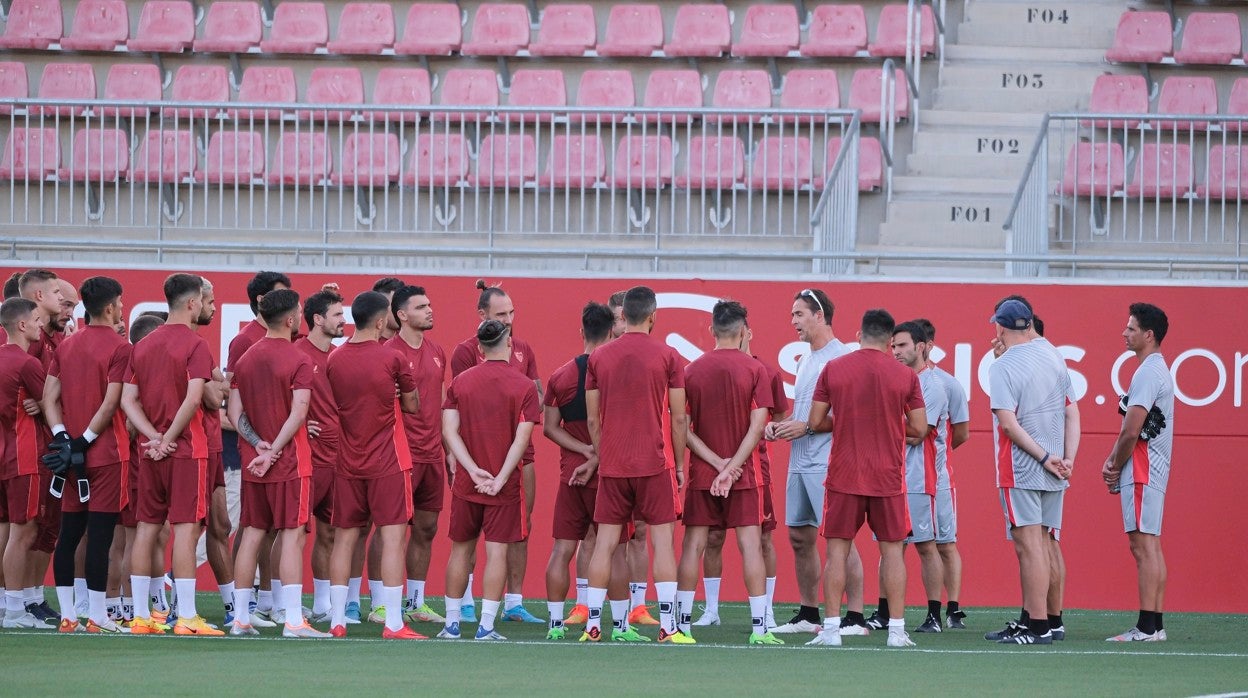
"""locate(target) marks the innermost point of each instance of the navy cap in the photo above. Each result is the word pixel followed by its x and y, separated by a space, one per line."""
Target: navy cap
pixel 1012 315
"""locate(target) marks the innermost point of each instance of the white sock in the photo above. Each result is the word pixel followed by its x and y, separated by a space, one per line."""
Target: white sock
pixel 594 596
pixel 452 610
pixel 711 585
pixel 392 599
pixel 320 596
pixel 353 590
pixel 684 611
pixel 141 609
pixel 619 613
pixel 292 599
pixel 186 598
pixel 112 605
pixel 467 600
pixel 637 594
pixel 14 603
pixel 758 614
pixel 666 591
pixel 489 611
pixel 35 594
pixel 411 593
pixel 555 610
pixel 264 600
pixel 242 606
pixel 832 624
pixel 418 596
pixel 156 588
pixel 227 592
pixel 896 626
pixel 512 600
pixel 376 592
pixel 338 595
pixel 97 607
pixel 275 591
pixel 771 595
pixel 80 591
pixel 65 598
pixel 582 584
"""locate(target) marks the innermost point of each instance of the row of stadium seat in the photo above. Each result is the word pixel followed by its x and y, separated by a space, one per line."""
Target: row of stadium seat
pixel 498 29
pixel 1180 94
pixel 1209 38
pixel 802 88
pixel 374 158
pixel 1162 171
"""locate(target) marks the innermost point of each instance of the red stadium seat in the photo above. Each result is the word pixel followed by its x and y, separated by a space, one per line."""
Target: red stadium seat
pixel 365 29
pixel 1212 38
pixel 469 87
pixel 575 161
pixel 302 159
pixel 768 30
pixel 1187 94
pixel 606 88
pixel 642 162
pixel 369 160
pixel 66 81
pixel 230 27
pixel 99 25
pixel 1142 37
pixel 1228 173
pixel 498 29
pixel 836 30
pixel 298 27
pixel 97 155
pixel 439 160
pixel 165 157
pixel 165 26
pixel 810 88
pixel 13 84
pixel 782 162
pixel 1237 105
pixel 30 154
pixel 673 89
pixel 506 161
pixel 1118 94
pixel 234 157
pixel 701 31
pixel 199 83
pixel 713 162
pixel 1093 170
pixel 132 82
pixel 542 89
pixel 265 83
pixel 333 86
pixel 890 32
pixel 1162 170
pixel 566 30
pixel 32 24
pixel 402 86
pixel 742 89
pixel 870 164
pixel 432 29
pixel 633 30
pixel 865 90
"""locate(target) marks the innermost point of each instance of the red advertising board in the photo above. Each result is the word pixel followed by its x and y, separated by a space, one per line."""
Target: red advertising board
pixel 1084 320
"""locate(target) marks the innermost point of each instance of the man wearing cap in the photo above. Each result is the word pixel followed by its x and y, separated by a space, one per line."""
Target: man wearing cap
pixel 1036 436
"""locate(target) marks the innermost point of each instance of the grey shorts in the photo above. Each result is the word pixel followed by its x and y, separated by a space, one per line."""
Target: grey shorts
pixel 946 516
pixel 922 518
pixel 1142 508
pixel 1032 508
pixel 803 499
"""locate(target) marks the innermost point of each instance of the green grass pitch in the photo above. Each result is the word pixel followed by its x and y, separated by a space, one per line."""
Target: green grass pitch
pixel 1206 654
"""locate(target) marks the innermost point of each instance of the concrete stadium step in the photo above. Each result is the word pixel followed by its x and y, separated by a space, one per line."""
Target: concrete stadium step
pixel 1019 78
pixel 947 166
pixel 946 185
pixel 917 266
pixel 1048 24
pixel 966 221
pixel 1035 102
pixel 1086 54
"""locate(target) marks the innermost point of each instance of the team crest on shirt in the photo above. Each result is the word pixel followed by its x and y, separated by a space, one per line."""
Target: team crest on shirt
pixel 519 356
pixel 437 362
pixel 316 369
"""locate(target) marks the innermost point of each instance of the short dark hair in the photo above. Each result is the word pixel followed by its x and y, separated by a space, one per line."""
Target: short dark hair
pixel 98 292
pixel 487 293
pixel 1150 317
pixel 277 304
pixel 158 314
pixel 13 311
pixel 388 284
pixel 31 276
pixel 912 328
pixel 261 284
pixel 877 324
pixel 142 326
pixel 367 306
pixel 13 287
pixel 928 327
pixel 596 321
pixel 180 286
pixel 1015 297
pixel 1037 324
pixel 318 304
pixel 616 300
pixel 401 296
pixel 727 317
pixel 639 304
pixel 491 333
pixel 818 302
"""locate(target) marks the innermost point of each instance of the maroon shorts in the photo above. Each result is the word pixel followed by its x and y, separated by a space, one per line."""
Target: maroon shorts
pixel 574 512
pixel 216 471
pixel 498 523
pixel 740 508
pixel 769 510
pixel 110 490
pixel 622 500
pixel 385 501
pixel 19 499
pixel 173 490
pixel 843 515
pixel 276 505
pixel 428 486
pixel 48 520
pixel 323 494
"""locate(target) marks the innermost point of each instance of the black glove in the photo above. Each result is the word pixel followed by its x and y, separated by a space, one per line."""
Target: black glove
pixel 60 454
pixel 78 447
pixel 1153 424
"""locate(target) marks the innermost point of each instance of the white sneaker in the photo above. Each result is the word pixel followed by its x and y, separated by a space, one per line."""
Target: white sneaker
pixel 707 618
pixel 261 619
pixel 319 617
pixel 855 630
pixel 899 639
pixel 278 616
pixel 801 626
pixel 304 630
pixel 1161 636
pixel 827 638
pixel 1134 635
pixel 25 621
pixel 239 630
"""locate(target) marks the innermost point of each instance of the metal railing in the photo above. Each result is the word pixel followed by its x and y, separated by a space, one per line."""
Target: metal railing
pixel 429 177
pixel 1132 184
